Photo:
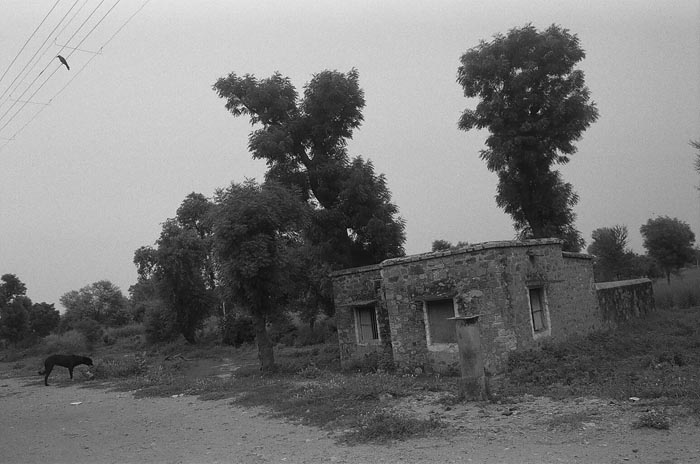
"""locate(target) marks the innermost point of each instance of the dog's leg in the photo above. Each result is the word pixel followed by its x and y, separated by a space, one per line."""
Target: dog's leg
pixel 46 375
pixel 70 371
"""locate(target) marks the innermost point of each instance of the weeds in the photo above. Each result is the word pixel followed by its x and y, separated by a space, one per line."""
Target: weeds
pixel 653 420
pixel 384 426
pixel 683 292
pixel 653 357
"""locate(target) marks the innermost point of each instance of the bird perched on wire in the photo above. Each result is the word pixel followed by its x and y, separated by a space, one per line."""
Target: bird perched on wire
pixel 63 61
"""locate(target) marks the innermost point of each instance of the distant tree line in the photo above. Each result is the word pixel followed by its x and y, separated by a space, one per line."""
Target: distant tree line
pixel 669 245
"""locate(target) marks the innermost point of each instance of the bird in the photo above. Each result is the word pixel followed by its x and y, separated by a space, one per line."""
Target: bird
pixel 63 60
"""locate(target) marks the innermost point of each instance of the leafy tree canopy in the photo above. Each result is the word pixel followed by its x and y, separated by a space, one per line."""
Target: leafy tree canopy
pixel 255 227
pixel 43 318
pixel 101 301
pixel 535 105
pixel 177 280
pixel 10 288
pixel 303 140
pixel 670 242
pixel 609 245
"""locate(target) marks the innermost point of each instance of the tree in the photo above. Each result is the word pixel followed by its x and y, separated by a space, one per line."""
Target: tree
pixel 696 144
pixel 14 319
pixel 101 301
pixel 181 268
pixel 255 227
pixel 535 105
pixel 14 308
pixel 670 242
pixel 43 318
pixel 10 288
pixel 609 246
pixel 304 144
pixel 444 245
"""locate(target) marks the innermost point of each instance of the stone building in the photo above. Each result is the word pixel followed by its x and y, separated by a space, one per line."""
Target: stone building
pixel 523 291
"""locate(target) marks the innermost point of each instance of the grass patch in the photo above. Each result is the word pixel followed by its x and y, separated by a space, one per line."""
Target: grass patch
pixel 657 356
pixel 110 368
pixel 683 292
pixel 384 426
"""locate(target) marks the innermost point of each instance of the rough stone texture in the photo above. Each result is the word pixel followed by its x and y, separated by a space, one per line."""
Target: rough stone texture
pixel 624 300
pixel 359 287
pixel 491 280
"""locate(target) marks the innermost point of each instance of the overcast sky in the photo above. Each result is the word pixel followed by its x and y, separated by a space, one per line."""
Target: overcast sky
pixel 131 131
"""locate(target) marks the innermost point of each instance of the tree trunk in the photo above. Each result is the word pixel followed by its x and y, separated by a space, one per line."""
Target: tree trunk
pixel 265 352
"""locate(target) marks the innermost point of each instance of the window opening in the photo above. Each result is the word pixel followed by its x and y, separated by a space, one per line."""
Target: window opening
pixel 366 319
pixel 440 328
pixel 537 309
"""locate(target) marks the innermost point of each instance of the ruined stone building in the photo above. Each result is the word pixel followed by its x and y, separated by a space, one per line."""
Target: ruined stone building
pixel 523 291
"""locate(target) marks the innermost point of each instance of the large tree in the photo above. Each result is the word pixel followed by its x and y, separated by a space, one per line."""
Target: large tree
pixel 609 246
pixel 101 301
pixel 303 140
pixel 669 241
pixel 181 271
pixel 43 318
pixel 535 105
pixel 255 228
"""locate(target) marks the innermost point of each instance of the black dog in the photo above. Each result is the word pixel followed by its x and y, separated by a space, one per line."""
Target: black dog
pixel 63 360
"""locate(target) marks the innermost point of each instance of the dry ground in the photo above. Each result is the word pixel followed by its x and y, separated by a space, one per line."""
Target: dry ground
pixel 68 422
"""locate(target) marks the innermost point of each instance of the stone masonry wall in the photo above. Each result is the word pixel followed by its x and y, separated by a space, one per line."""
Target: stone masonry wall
pixel 624 300
pixel 491 280
pixel 354 288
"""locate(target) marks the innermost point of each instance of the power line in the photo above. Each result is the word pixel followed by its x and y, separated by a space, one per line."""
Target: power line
pixel 49 63
pixel 42 107
pixel 40 47
pixel 30 38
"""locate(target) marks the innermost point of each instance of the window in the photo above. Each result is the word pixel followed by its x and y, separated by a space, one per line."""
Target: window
pixel 440 328
pixel 366 324
pixel 538 309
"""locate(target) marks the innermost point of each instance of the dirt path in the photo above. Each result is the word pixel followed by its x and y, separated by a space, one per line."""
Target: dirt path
pixel 70 423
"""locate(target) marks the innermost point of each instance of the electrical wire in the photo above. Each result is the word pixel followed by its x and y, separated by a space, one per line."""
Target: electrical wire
pixel 57 67
pixel 128 20
pixel 40 47
pixel 30 38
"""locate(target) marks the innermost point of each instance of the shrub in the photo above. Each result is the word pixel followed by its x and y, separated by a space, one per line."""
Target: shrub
pixel 237 330
pixel 68 342
pixel 653 420
pixel 126 331
pixel 160 324
pixel 91 330
pixel 126 366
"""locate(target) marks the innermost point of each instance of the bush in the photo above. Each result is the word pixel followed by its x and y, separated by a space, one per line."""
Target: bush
pixel 91 330
pixel 126 331
pixel 69 342
pixel 237 330
pixel 160 325
pixel 126 366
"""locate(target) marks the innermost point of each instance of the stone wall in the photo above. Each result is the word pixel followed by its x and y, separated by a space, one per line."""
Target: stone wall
pixel 623 300
pixel 353 288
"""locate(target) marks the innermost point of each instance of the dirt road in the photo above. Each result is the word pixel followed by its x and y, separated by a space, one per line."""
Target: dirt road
pixel 68 422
